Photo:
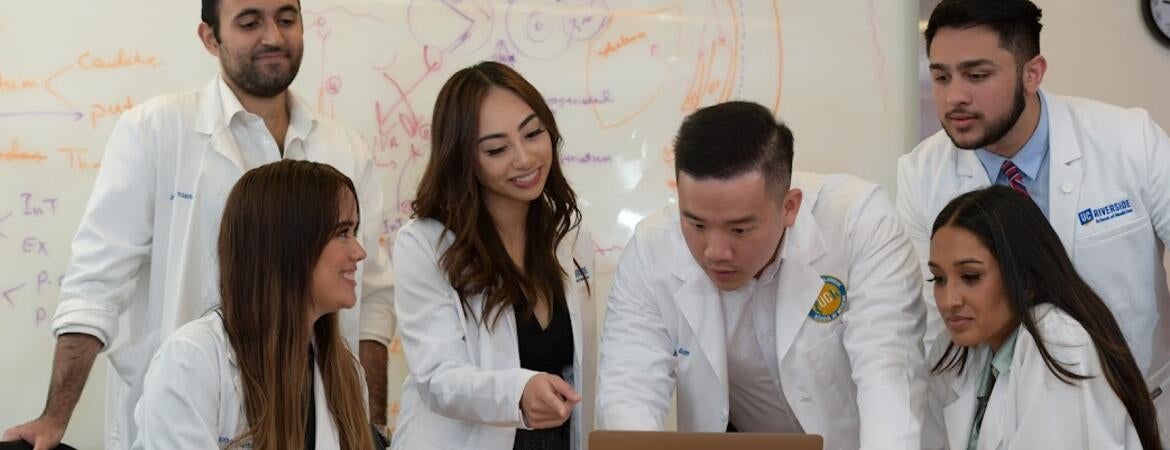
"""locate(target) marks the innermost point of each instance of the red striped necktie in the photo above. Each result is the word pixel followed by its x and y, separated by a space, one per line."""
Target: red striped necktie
pixel 1014 176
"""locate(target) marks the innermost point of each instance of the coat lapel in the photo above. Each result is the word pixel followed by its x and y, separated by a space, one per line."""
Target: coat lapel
pixel 210 122
pixel 699 301
pixel 572 298
pixel 972 175
pixel 1067 173
pixel 798 281
pixel 959 415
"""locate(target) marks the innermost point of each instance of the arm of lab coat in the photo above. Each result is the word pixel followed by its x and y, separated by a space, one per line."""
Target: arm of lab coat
pixel 1053 414
pixel 1158 177
pixel 636 372
pixel 429 322
pixel 884 328
pixel 917 226
pixel 180 402
pixel 114 239
pixel 376 321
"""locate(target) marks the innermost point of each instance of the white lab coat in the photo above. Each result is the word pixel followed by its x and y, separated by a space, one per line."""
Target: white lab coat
pixel 144 260
pixel 1099 155
pixel 465 381
pixel 859 380
pixel 1030 408
pixel 193 398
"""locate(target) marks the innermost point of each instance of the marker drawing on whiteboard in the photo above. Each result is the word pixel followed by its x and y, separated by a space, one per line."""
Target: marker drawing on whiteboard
pixel 8 294
pixel 77 160
pixel 38 206
pixel 585 158
pixel 76 115
pixel 2 219
pixel 589 100
pixel 42 280
pixel 622 42
pixel 33 245
pixel 41 315
pixel 17 152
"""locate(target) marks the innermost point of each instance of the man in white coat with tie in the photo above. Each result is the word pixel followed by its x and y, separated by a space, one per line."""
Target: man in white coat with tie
pixel 772 301
pixel 1100 173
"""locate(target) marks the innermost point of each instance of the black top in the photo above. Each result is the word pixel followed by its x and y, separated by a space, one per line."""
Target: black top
pixel 548 350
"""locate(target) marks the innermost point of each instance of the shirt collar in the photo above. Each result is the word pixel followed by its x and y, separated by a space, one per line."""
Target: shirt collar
pixel 1000 364
pixel 1001 359
pixel 1030 157
pixel 769 273
pixel 231 104
pixel 300 119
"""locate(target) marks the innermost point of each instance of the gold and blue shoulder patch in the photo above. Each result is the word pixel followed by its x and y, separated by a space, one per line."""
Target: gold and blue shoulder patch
pixel 831 302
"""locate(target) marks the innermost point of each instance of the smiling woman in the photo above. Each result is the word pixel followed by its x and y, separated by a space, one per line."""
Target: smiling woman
pixel 494 278
pixel 1033 352
pixel 269 368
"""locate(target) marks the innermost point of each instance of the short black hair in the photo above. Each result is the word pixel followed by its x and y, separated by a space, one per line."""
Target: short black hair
pixel 210 16
pixel 1017 22
pixel 730 139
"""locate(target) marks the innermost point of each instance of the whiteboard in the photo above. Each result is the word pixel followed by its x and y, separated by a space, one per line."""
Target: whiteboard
pixel 619 74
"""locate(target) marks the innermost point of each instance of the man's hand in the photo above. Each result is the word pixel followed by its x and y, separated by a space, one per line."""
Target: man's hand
pixel 44 433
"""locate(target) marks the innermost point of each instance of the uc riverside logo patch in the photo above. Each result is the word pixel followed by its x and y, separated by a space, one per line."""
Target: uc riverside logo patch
pixel 831 302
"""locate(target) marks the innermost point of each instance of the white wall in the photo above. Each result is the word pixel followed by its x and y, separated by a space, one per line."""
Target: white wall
pixel 1103 50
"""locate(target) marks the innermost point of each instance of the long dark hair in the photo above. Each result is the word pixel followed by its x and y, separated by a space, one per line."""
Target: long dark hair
pixel 1036 269
pixel 277 221
pixel 449 193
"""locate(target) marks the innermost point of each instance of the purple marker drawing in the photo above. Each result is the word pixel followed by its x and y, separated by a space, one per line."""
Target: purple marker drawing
pixel 2 219
pixel 586 158
pixel 34 245
pixel 8 294
pixel 41 314
pixel 42 279
pixel 38 207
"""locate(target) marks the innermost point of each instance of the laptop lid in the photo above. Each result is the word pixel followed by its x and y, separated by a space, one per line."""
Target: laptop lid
pixel 668 440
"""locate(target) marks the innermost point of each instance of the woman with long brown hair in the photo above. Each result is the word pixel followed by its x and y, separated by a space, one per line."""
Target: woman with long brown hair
pixel 1034 358
pixel 269 368
pixel 492 279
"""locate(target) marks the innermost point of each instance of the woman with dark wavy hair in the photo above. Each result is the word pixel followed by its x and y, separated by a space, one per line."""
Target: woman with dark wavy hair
pixel 492 288
pixel 1034 359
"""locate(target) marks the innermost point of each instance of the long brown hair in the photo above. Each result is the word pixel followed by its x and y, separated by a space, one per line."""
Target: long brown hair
pixel 1036 269
pixel 277 220
pixel 449 193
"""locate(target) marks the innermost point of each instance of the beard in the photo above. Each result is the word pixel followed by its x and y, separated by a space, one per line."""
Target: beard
pixel 264 80
pixel 998 127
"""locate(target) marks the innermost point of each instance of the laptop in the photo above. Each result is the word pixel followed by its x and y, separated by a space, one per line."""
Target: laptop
pixel 668 440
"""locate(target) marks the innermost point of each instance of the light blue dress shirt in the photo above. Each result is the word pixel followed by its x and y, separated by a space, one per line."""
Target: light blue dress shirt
pixel 1032 160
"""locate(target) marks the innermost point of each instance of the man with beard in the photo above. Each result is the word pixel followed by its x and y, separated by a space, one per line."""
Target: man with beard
pixel 143 259
pixel 1099 172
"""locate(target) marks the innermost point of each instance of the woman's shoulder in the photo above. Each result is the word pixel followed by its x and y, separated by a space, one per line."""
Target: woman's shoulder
pixel 1057 327
pixel 1063 336
pixel 422 226
pixel 422 234
pixel 206 329
pixel 198 347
